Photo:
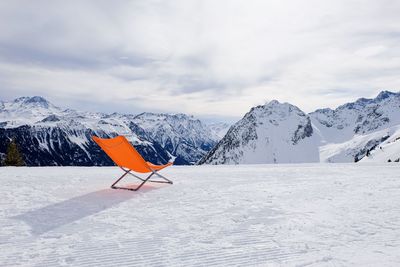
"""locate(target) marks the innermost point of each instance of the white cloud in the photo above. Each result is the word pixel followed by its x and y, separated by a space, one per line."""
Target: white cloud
pixel 200 57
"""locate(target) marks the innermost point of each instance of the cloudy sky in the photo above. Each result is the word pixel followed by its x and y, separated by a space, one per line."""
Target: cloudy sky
pixel 207 58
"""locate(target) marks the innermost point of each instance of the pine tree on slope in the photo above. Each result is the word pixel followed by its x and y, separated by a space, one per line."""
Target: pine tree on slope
pixel 13 157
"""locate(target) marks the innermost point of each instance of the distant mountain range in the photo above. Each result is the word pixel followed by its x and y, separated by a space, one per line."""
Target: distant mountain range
pixel 52 136
pixel 367 130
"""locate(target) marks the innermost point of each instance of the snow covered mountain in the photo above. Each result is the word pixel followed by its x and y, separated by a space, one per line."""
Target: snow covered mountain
pixel 182 135
pixel 353 130
pixel 272 133
pixel 49 135
pixel 282 133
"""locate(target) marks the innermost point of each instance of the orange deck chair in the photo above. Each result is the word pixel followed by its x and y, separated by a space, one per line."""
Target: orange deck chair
pixel 128 159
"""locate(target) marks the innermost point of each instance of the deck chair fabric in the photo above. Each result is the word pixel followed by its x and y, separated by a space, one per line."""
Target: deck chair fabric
pixel 128 159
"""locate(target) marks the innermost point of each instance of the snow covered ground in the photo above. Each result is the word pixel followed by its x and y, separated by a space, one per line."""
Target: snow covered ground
pixel 266 215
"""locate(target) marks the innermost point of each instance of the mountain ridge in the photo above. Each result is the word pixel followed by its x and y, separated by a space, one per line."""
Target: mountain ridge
pixel 347 133
pixel 63 136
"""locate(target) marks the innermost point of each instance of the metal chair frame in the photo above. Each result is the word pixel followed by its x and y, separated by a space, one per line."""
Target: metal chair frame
pixel 144 180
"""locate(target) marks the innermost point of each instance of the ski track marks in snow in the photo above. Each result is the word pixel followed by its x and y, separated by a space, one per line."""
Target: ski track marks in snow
pixel 260 215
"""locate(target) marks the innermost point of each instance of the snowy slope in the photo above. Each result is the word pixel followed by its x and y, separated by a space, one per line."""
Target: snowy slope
pixel 349 131
pixel 259 215
pixel 389 150
pixel 272 133
pixel 49 135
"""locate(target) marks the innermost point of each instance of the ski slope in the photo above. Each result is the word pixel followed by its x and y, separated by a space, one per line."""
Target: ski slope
pixel 247 215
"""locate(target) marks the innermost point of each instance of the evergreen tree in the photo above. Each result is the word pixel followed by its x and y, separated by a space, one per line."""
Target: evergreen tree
pixel 13 157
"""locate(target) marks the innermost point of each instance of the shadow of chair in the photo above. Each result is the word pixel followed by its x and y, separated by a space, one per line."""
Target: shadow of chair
pixel 55 215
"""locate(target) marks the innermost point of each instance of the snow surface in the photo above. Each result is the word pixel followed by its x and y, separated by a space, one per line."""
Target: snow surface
pixel 268 215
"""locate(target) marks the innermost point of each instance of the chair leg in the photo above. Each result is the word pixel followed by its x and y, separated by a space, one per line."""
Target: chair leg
pixel 144 180
pixel 119 179
pixel 131 189
pixel 167 181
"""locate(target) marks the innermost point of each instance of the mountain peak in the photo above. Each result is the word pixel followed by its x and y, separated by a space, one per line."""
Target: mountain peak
pixel 37 100
pixel 276 103
pixel 273 102
pixel 33 100
pixel 272 133
pixel 385 94
pixel 275 107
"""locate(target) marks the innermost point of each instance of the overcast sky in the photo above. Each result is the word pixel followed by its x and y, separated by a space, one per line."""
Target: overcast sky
pixel 205 58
